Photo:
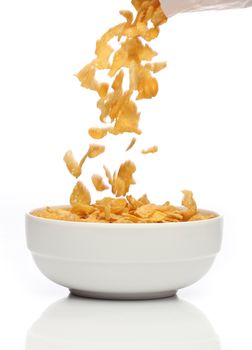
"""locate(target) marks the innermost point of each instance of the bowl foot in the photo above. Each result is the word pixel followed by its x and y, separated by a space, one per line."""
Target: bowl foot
pixel 123 296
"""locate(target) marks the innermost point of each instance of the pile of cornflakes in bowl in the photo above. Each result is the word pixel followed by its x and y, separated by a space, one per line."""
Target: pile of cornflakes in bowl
pixel 124 210
pixel 132 61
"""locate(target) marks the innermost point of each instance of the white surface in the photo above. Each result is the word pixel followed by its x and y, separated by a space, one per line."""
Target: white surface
pixel 124 261
pixel 201 121
pixel 161 324
pixel 174 7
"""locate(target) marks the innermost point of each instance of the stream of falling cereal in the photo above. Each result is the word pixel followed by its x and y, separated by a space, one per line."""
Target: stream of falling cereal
pixel 132 61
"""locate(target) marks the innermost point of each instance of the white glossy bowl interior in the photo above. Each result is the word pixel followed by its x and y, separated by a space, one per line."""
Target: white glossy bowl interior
pixel 123 261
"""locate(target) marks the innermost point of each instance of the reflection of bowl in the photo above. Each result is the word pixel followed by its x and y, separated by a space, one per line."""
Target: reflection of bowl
pixel 123 261
pixel 78 324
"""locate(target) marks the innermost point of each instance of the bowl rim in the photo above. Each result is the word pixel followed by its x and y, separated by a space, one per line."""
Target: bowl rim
pixel 30 216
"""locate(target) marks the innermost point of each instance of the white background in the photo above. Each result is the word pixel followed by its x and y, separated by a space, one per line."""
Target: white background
pixel 201 121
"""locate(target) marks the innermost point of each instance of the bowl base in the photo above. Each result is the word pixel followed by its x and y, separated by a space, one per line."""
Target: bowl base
pixel 123 296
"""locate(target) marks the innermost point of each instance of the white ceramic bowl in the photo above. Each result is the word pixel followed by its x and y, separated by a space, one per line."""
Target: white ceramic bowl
pixel 123 261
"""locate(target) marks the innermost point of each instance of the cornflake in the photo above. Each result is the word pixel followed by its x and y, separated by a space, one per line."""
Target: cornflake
pixel 153 149
pixel 97 133
pixel 131 145
pixel 98 183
